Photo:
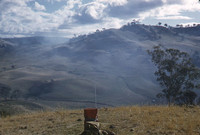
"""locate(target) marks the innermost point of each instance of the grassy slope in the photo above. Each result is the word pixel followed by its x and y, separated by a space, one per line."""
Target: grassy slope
pixel 143 121
pixel 14 107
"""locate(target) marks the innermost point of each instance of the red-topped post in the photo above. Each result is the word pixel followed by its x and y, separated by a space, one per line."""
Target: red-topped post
pixel 90 114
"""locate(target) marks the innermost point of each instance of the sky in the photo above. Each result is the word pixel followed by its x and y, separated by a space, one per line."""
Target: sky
pixel 68 18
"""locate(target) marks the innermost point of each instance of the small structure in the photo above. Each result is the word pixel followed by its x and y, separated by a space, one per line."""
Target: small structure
pixel 91 124
pixel 90 114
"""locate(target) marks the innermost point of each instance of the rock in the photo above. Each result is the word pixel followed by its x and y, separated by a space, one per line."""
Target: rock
pixel 23 127
pixel 79 119
pixel 50 119
pixel 93 126
pixel 111 126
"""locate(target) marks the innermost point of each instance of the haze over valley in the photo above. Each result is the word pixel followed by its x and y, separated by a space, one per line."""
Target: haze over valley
pixel 112 61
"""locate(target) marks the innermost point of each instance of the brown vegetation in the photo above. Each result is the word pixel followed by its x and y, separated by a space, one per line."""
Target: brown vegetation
pixel 158 120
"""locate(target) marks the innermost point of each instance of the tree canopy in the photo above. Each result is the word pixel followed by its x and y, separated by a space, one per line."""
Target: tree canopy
pixel 175 72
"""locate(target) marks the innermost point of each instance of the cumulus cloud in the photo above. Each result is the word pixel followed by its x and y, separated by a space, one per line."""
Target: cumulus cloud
pixel 39 7
pixel 90 13
pixel 172 10
pixel 31 17
pixel 132 7
pixel 97 11
pixel 19 17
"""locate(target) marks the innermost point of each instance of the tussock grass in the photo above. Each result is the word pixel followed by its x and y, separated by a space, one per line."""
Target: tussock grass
pixel 145 120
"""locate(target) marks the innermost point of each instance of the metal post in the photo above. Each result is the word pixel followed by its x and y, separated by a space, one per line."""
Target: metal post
pixel 95 96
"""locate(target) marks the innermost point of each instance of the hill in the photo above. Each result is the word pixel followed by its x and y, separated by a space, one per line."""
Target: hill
pixel 16 107
pixel 135 120
pixel 113 61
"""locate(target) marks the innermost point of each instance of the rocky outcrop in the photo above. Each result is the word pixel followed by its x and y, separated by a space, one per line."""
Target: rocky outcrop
pixel 93 128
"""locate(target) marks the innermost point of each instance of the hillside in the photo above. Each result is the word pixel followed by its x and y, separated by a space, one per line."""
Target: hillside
pixel 16 107
pixel 135 120
pixel 113 61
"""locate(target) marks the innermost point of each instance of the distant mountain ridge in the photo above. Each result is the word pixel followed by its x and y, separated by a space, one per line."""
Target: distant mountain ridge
pixel 113 61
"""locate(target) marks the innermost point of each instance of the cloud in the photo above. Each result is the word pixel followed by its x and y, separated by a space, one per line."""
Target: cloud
pixel 132 8
pixel 39 7
pixel 98 10
pixel 174 18
pixel 7 4
pixel 29 17
pixel 94 12
pixel 113 2
pixel 88 28
pixel 19 18
pixel 52 1
pixel 172 8
pixel 90 13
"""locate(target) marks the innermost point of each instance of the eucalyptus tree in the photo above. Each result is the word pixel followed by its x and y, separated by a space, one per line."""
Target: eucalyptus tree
pixel 175 72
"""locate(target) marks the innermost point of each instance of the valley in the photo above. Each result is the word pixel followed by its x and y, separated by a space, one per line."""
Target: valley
pixel 113 61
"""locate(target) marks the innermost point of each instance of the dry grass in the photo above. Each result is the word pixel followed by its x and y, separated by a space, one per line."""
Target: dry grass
pixel 135 120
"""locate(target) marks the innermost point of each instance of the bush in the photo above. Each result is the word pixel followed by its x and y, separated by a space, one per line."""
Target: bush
pixel 187 98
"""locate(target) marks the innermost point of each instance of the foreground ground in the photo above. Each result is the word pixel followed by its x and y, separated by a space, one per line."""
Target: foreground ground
pixel 123 121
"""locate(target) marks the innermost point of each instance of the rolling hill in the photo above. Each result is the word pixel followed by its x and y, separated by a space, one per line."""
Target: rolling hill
pixel 113 61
